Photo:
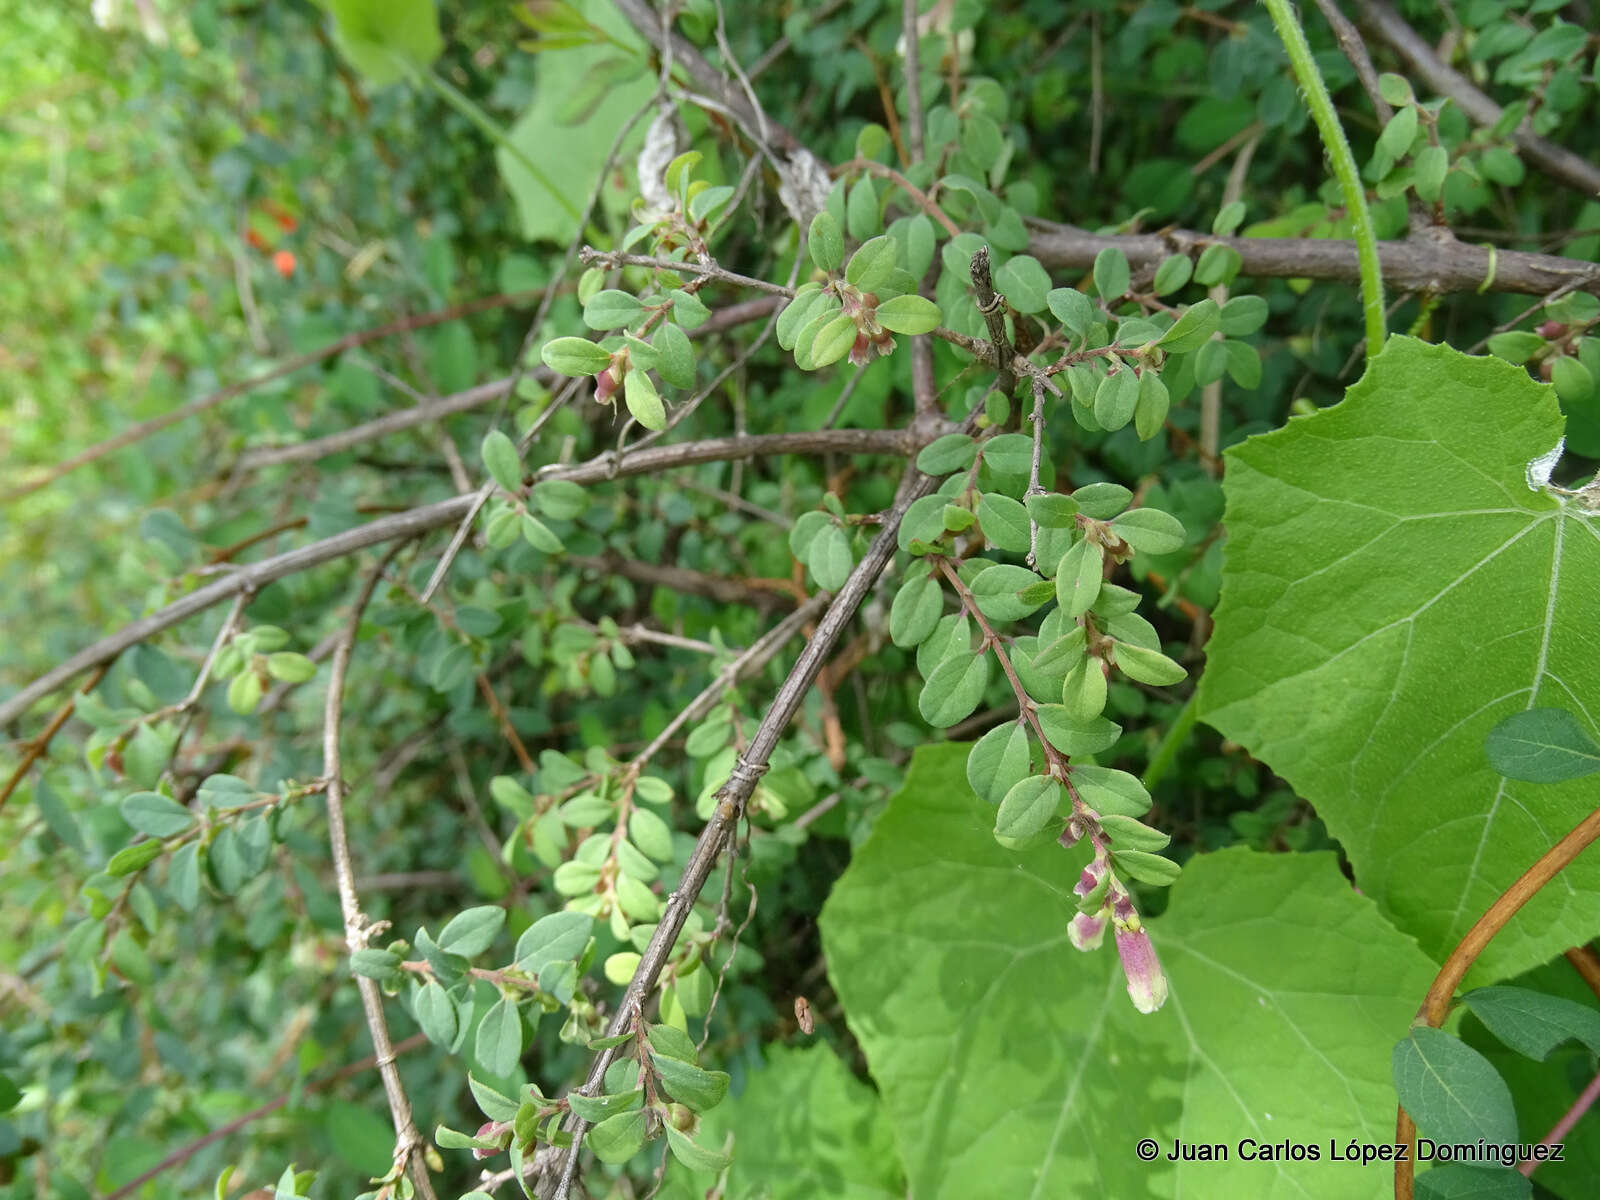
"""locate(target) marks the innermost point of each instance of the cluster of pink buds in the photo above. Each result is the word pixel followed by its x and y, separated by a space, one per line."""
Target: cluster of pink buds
pixel 867 345
pixel 1147 984
pixel 872 339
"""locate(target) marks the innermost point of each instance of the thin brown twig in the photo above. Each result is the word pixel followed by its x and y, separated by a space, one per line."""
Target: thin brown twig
pixel 733 500
pixel 644 18
pixel 486 833
pixel 732 60
pixel 616 258
pixel 758 655
pixel 734 846
pixel 35 749
pixel 1029 710
pixel 781 47
pixel 481 496
pixel 390 423
pixel 637 633
pixel 843 401
pixel 921 198
pixel 1253 130
pixel 984 351
pixel 978 722
pixel 186 706
pixel 688 407
pixel 503 719
pixel 924 386
pixel 913 77
pixel 184 1153
pixel 829 802
pixel 155 424
pixel 407 881
pixel 1210 431
pixel 748 311
pixel 1355 50
pixel 227 553
pixel 891 118
pixel 1203 17
pixel 408 1141
pixel 1035 488
pixel 1522 316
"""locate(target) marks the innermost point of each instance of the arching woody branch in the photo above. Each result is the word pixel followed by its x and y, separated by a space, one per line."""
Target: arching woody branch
pixel 1557 162
pixel 1435 263
pixel 428 517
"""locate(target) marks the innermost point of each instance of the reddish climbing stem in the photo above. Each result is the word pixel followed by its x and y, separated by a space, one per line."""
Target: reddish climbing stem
pixel 1436 1004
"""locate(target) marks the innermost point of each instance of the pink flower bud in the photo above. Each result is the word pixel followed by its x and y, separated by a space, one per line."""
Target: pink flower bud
pixel 1072 834
pixel 1147 985
pixel 489 1129
pixel 1086 932
pixel 1093 873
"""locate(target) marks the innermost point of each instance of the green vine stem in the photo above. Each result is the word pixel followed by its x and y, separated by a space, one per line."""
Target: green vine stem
pixel 1166 753
pixel 1343 163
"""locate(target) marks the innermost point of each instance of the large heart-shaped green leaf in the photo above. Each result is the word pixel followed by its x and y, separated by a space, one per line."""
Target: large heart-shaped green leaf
pixel 1012 1065
pixel 582 95
pixel 1393 586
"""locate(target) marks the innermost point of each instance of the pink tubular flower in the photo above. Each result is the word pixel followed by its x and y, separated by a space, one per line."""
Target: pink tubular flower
pixel 1147 985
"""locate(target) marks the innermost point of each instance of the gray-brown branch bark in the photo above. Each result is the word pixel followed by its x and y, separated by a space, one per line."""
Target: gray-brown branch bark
pixel 408 1142
pixel 288 367
pixel 1439 264
pixel 722 89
